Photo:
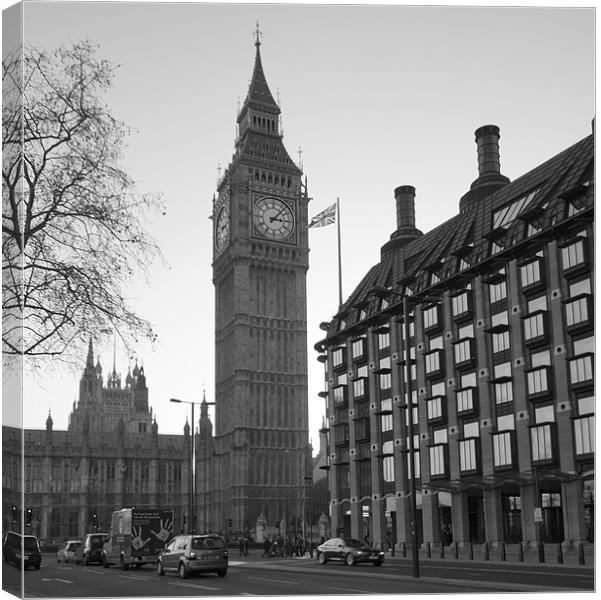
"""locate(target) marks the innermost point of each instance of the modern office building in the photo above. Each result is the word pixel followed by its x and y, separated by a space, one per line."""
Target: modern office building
pixel 498 306
pixel 259 461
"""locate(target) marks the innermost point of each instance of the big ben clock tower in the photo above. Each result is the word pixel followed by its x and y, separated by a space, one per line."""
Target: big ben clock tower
pixel 260 260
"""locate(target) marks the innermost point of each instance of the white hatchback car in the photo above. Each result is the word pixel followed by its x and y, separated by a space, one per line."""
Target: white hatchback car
pixel 67 551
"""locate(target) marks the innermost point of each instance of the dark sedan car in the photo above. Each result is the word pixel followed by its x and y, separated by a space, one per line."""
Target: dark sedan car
pixel 348 550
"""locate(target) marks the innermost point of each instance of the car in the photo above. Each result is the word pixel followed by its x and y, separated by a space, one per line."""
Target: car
pixel 91 548
pixel 188 554
pixel 67 550
pixel 349 550
pixel 12 548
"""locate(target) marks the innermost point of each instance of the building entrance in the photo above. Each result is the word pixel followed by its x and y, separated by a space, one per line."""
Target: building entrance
pixel 552 530
pixel 475 517
pixel 512 517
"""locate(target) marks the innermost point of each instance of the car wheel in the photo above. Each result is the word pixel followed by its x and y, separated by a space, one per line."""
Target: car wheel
pixel 124 565
pixel 37 567
pixel 350 559
pixel 322 558
pixel 104 563
pixel 378 563
pixel 183 571
pixel 86 561
pixel 160 570
pixel 222 572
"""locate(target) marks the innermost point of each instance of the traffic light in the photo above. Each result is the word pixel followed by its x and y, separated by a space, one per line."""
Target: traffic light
pixel 15 514
pixel 28 517
pixel 230 523
pixel 95 519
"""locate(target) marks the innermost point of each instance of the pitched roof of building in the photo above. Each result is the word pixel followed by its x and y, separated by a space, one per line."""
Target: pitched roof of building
pixel 567 177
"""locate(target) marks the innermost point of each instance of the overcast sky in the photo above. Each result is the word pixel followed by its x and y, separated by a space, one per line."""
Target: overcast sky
pixel 376 97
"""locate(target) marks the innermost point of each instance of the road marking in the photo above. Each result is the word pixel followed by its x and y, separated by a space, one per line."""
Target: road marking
pixel 61 580
pixel 347 590
pixel 274 580
pixel 93 571
pixel 196 587
pixel 235 563
pixel 135 578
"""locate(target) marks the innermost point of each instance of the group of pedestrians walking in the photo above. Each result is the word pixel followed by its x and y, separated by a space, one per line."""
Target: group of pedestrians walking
pixel 243 545
pixel 285 547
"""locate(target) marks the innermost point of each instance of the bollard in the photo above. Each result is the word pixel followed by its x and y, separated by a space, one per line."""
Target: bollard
pixel 392 549
pixel 441 549
pixel 404 549
pixel 503 555
pixel 456 550
pixel 541 552
pixel 559 553
pixel 471 555
pixel 486 551
pixel 520 552
pixel 580 553
pixel 428 550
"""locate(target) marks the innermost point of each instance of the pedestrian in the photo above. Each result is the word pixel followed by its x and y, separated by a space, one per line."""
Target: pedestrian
pixel 240 546
pixel 245 545
pixel 266 548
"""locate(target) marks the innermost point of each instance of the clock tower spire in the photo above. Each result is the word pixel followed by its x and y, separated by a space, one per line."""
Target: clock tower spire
pixel 260 262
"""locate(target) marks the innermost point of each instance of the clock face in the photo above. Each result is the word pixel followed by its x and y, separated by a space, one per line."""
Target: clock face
pixel 222 227
pixel 273 219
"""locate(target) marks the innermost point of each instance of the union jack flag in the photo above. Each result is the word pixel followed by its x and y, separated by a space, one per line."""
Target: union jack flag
pixel 325 217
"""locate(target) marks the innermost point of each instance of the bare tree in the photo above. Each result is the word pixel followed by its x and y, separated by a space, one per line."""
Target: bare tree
pixel 72 228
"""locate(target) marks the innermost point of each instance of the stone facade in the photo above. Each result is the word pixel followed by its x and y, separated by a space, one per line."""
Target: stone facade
pixel 111 456
pixel 260 459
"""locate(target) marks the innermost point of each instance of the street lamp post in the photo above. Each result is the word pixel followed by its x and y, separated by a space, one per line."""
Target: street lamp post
pixel 407 302
pixel 192 403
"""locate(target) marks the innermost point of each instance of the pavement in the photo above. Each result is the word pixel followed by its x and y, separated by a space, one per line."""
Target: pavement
pixel 571 557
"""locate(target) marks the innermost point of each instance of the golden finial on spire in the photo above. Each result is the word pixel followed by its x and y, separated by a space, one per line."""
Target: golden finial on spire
pixel 258 35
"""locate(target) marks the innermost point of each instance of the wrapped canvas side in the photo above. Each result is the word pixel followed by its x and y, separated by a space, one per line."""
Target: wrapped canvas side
pixel 13 504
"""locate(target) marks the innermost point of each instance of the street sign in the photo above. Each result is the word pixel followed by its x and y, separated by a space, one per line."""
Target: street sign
pixel 538 515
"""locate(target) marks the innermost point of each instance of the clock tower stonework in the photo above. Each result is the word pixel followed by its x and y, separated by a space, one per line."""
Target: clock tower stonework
pixel 262 457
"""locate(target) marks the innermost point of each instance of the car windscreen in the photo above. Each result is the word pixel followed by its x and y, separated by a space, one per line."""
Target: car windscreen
pixel 207 543
pixel 97 541
pixel 352 543
pixel 30 543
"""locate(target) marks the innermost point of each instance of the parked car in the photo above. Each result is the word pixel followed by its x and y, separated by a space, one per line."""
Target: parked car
pixel 14 543
pixel 90 549
pixel 67 550
pixel 348 550
pixel 187 554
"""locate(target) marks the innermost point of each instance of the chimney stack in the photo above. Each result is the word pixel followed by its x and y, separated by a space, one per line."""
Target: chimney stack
pixel 487 140
pixel 405 220
pixel 490 178
pixel 405 206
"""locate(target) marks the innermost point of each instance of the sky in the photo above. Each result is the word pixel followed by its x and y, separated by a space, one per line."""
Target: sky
pixel 375 96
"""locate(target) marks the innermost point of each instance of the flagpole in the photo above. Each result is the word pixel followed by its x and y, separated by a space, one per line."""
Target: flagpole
pixel 339 254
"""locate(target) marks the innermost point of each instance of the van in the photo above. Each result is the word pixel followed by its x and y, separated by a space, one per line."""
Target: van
pixel 14 543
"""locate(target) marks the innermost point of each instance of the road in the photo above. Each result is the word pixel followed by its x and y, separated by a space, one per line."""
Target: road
pixel 284 577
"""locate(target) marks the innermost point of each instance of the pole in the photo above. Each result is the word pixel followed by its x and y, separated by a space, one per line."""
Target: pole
pixel 412 492
pixel 192 511
pixel 339 253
